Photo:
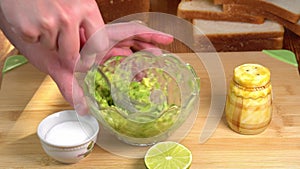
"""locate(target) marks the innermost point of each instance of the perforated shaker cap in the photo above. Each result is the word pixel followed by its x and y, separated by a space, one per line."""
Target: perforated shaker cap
pixel 251 75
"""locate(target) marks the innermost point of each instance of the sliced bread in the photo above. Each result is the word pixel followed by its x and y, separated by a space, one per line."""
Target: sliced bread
pixel 237 36
pixel 286 9
pixel 233 46
pixel 239 30
pixel 237 9
pixel 205 9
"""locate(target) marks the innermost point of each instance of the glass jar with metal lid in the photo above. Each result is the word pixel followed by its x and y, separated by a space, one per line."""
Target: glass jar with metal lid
pixel 249 100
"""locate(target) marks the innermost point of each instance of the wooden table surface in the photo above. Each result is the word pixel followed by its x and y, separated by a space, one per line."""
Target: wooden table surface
pixel 27 96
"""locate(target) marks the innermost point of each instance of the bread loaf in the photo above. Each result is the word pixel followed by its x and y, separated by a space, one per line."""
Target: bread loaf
pixel 205 9
pixel 234 45
pixel 235 36
pixel 225 29
pixel 237 9
pixel 286 9
pixel 114 9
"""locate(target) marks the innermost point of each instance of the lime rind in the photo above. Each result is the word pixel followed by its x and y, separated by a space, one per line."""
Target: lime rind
pixel 283 55
pixel 168 155
pixel 13 62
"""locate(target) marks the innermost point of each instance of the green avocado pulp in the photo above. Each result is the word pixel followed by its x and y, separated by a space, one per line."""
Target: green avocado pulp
pixel 150 118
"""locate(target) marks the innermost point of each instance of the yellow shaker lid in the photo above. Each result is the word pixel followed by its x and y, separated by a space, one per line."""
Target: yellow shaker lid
pixel 251 75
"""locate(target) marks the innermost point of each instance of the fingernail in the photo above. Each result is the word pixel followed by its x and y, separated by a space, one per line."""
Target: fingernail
pixel 81 109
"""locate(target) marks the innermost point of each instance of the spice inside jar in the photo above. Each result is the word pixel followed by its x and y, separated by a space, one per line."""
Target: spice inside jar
pixel 249 100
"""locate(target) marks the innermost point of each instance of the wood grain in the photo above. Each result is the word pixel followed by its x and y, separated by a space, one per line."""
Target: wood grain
pixel 27 96
pixel 22 107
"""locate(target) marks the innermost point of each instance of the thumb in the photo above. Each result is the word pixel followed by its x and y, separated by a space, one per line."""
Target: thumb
pixel 79 101
pixel 71 90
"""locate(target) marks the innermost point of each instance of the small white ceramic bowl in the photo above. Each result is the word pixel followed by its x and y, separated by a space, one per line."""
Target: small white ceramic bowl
pixel 68 137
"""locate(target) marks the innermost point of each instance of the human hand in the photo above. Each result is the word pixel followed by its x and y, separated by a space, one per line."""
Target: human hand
pixel 50 33
pixel 54 24
pixel 58 60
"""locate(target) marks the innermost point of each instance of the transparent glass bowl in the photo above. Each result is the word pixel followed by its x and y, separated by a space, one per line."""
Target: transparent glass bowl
pixel 143 98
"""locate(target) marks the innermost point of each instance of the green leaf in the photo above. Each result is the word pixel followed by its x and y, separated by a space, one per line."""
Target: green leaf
pixel 283 55
pixel 13 62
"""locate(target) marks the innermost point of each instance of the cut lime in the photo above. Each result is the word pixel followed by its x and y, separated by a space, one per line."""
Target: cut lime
pixel 13 62
pixel 284 55
pixel 168 155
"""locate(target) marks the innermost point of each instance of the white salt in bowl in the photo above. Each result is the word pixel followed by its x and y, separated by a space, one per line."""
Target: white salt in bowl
pixel 68 137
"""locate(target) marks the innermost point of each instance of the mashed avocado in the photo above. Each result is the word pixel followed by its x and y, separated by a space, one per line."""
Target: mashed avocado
pixel 153 118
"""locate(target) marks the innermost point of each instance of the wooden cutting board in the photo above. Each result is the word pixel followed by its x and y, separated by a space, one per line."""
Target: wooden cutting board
pixel 22 107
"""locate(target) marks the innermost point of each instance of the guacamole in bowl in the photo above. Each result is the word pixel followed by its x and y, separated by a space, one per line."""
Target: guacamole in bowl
pixel 142 98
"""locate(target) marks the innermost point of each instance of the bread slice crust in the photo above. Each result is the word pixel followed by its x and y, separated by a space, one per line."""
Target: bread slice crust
pixel 237 8
pixel 289 9
pixel 205 9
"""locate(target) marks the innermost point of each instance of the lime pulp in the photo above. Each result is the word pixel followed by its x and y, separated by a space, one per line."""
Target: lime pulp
pixel 168 155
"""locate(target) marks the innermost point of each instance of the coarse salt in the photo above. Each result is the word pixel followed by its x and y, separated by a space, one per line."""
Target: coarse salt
pixel 68 133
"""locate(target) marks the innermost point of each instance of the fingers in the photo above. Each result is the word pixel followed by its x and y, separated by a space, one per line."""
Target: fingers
pixel 28 35
pixel 97 39
pixel 94 38
pixel 44 32
pixel 79 103
pixel 137 45
pixel 91 20
pixel 137 31
pixel 68 45
pixel 71 90
pixel 47 36
pixel 49 33
pixel 116 51
pixel 83 38
pixel 155 37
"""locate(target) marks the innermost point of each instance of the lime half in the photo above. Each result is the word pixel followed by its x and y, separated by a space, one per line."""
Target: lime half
pixel 168 155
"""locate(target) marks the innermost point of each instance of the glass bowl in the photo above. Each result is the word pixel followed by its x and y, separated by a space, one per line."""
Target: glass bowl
pixel 143 98
pixel 95 50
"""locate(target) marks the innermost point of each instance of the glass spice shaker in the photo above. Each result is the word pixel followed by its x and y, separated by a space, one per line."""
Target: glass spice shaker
pixel 249 100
